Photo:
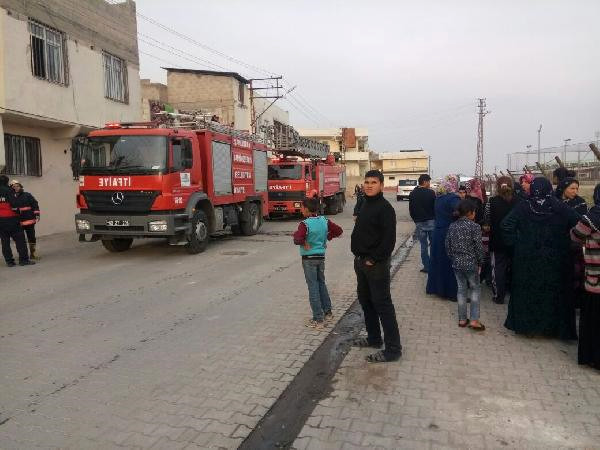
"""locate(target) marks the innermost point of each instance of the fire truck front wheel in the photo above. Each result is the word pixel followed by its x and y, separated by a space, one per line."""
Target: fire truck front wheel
pixel 117 245
pixel 198 237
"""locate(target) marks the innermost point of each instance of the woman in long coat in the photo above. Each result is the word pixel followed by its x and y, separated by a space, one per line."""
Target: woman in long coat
pixel 440 278
pixel 537 229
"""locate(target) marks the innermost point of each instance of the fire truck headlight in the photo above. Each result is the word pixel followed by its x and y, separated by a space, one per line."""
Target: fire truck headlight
pixel 83 224
pixel 297 205
pixel 159 225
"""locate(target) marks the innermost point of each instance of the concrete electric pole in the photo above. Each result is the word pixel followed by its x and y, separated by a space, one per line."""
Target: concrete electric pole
pixel 479 162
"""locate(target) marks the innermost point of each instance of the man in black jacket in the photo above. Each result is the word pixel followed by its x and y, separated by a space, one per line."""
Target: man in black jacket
pixel 372 243
pixel 421 208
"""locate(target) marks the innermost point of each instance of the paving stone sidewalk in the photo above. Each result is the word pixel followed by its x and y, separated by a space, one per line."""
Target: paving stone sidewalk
pixel 455 388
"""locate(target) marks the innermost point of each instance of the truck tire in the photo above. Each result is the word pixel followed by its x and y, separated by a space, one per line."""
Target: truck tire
pixel 198 238
pixel 252 225
pixel 117 245
pixel 341 203
pixel 331 206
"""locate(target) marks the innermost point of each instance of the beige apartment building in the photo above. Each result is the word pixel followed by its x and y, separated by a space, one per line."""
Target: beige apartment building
pixel 226 96
pixel 65 68
pixel 402 165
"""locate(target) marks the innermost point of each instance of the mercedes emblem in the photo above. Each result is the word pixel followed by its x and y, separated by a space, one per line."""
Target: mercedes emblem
pixel 117 198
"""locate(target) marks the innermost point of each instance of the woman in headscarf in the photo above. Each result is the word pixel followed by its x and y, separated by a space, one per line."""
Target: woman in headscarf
pixel 476 193
pixel 587 232
pixel 567 191
pixel 440 279
pixel 496 210
pixel 537 229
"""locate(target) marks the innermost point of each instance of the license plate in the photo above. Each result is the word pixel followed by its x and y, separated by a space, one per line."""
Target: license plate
pixel 280 208
pixel 117 223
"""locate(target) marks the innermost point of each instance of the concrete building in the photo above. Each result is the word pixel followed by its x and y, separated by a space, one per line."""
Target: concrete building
pixel 65 68
pixel 405 164
pixel 352 147
pixel 225 95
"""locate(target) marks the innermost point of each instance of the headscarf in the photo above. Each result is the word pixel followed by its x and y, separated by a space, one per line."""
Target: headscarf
pixel 593 215
pixel 449 185
pixel 564 184
pixel 541 200
pixel 528 177
pixel 474 189
pixel 505 188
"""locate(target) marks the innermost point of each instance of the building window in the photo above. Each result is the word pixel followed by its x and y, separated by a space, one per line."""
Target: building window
pixel 115 78
pixel 23 155
pixel 241 89
pixel 48 53
pixel 392 178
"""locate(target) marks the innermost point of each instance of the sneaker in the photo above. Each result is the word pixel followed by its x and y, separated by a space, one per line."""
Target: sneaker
pixel 328 316
pixel 26 263
pixel 11 264
pixel 312 323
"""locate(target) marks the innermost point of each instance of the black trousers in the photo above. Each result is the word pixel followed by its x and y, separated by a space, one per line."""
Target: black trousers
pixel 500 274
pixel 373 289
pixel 30 232
pixel 11 229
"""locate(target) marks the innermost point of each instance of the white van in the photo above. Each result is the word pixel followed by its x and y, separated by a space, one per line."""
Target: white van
pixel 405 187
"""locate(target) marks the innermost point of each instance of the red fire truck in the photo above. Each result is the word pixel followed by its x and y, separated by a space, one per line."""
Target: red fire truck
pixel 303 167
pixel 293 179
pixel 140 181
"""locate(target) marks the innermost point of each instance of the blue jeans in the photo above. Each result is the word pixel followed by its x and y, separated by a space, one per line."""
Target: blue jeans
pixel 465 280
pixel 314 272
pixel 424 231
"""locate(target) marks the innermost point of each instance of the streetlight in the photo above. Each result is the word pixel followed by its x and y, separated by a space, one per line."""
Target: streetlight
pixel 565 151
pixel 539 133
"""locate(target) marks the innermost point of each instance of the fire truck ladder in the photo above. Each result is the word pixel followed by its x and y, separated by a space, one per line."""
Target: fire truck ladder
pixel 288 142
pixel 200 121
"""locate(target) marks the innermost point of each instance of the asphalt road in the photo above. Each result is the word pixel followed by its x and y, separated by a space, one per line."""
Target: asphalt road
pixel 155 346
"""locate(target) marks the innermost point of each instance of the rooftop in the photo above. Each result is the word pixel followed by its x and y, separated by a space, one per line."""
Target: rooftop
pixel 404 154
pixel 215 73
pixel 330 132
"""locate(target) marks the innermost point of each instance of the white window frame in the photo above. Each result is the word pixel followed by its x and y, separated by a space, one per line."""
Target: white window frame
pixel 115 78
pixel 54 57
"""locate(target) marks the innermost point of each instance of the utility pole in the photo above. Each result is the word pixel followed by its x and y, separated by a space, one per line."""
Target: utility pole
pixel 539 134
pixel 565 150
pixel 479 162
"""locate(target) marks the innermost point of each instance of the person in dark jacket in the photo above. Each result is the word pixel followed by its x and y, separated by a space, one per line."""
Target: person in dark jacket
pixel 496 210
pixel 10 228
pixel 29 213
pixel 372 243
pixel 421 208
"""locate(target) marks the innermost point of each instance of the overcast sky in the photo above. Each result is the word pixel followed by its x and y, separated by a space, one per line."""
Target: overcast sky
pixel 409 71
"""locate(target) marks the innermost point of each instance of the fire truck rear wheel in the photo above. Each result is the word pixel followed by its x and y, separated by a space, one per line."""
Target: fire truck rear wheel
pixel 117 245
pixel 340 198
pixel 198 238
pixel 331 206
pixel 251 226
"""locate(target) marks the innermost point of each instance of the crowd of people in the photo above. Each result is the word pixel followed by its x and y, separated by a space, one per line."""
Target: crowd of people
pixel 534 244
pixel 19 213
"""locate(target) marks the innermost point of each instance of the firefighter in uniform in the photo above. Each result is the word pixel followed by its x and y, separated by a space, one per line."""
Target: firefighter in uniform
pixel 29 212
pixel 10 228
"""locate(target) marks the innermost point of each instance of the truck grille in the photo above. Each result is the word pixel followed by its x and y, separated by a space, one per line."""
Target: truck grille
pixel 283 196
pixel 127 201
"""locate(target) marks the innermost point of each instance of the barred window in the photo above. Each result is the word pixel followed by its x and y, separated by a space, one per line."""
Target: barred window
pixel 23 155
pixel 115 78
pixel 48 53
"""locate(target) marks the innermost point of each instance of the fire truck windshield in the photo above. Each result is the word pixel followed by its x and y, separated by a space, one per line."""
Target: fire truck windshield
pixel 124 154
pixel 285 172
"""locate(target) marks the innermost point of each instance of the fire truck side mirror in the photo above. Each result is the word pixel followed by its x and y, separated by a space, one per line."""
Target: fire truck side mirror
pixel 186 163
